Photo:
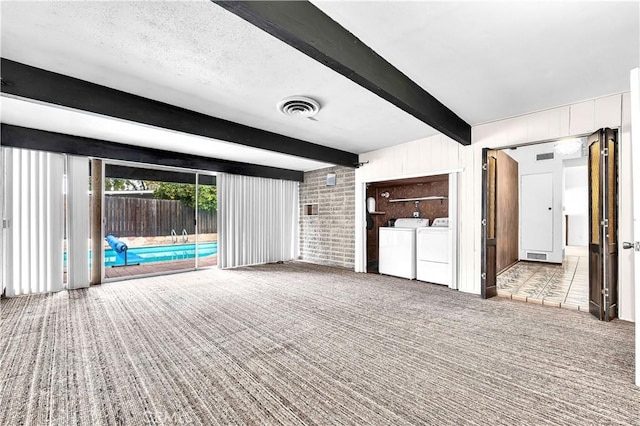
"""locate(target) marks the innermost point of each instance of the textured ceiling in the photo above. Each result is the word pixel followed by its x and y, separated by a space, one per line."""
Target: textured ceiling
pixel 491 60
pixel 199 56
pixel 484 60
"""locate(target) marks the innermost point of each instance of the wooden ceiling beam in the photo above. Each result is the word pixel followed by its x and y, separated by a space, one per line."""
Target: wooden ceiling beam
pixel 303 26
pixel 41 140
pixel 58 89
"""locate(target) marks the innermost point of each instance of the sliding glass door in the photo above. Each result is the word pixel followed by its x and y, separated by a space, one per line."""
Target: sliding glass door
pixel 150 224
pixel 207 221
pixel 154 221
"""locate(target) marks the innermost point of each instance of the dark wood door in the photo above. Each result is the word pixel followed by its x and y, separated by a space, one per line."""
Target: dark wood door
pixel 488 286
pixel 603 224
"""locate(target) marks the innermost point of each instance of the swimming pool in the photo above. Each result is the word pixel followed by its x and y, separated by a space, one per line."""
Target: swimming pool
pixel 157 253
pixel 162 253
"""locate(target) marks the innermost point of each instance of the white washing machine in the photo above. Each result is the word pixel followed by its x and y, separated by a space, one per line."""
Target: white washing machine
pixel 397 247
pixel 433 262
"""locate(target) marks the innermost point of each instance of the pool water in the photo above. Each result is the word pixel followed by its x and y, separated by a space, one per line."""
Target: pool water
pixel 158 253
pixel 162 253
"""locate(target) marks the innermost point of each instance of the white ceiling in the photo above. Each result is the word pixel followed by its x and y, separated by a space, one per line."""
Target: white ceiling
pixel 484 60
pixel 492 60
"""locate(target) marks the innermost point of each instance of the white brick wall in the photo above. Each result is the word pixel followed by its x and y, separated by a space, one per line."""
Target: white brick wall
pixel 327 238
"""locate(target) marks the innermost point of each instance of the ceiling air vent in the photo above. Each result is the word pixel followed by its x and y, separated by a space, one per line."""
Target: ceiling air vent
pixel 545 156
pixel 299 106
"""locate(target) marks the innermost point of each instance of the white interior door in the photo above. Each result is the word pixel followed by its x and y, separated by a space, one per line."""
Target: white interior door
pixel 536 212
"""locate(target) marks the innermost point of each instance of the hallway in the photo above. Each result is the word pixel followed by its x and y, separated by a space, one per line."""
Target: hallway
pixel 565 285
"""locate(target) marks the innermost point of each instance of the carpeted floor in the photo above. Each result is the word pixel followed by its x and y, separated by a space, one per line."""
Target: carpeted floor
pixel 304 344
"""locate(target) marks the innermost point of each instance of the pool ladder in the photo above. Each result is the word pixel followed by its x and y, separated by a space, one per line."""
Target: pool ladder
pixel 174 236
pixel 185 239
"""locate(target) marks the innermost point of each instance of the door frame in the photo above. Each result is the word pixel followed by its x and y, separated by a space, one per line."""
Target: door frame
pixel 484 201
pixel 488 273
pixel 600 255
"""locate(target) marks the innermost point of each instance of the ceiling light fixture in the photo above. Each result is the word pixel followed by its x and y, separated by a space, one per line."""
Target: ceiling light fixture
pixel 299 106
pixel 568 146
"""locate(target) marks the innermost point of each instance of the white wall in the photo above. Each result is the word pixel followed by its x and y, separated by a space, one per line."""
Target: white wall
pixel 440 154
pixel 576 203
pixel 632 118
pixel 576 190
pixel 626 294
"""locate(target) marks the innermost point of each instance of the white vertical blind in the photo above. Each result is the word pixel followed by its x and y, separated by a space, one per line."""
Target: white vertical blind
pixel 257 220
pixel 34 236
pixel 77 223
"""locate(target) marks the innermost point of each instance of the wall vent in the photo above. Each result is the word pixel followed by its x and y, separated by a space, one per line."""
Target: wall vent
pixel 545 156
pixel 537 256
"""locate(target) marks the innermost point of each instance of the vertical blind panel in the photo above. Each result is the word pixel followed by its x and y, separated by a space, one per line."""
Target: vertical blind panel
pixel 34 200
pixel 77 223
pixel 257 220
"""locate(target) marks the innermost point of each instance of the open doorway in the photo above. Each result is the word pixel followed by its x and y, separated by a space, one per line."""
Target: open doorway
pixel 565 196
pixel 542 201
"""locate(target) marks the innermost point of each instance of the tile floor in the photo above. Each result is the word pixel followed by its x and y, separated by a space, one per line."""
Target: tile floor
pixel 565 285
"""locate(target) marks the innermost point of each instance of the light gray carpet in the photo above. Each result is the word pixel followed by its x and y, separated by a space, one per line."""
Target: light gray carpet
pixel 304 344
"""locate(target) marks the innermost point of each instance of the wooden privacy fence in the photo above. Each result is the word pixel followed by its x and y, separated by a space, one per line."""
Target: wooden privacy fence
pixel 140 217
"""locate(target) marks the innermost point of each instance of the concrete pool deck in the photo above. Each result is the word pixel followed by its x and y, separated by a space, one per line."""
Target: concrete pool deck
pixel 154 268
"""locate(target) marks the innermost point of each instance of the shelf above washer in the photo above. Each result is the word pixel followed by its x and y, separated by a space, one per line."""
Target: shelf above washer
pixel 435 197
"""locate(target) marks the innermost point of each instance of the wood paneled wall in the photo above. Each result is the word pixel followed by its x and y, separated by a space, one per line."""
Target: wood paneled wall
pixel 507 218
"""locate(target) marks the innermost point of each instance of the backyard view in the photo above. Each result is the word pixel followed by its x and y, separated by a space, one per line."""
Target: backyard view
pixel 150 226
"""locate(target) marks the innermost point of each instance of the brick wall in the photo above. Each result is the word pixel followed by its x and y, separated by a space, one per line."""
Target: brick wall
pixel 327 235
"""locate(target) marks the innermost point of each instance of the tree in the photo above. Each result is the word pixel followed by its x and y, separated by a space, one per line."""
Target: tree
pixel 207 195
pixel 119 184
